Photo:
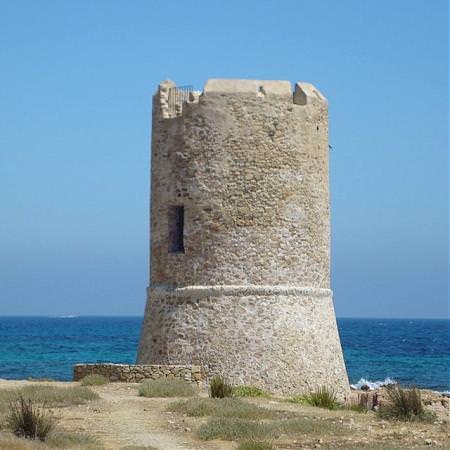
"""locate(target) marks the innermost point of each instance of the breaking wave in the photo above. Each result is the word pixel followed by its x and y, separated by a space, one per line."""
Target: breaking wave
pixel 372 384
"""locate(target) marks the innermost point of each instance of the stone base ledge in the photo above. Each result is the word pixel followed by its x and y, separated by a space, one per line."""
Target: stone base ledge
pixel 134 373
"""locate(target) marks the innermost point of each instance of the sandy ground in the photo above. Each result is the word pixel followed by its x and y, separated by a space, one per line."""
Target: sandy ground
pixel 121 419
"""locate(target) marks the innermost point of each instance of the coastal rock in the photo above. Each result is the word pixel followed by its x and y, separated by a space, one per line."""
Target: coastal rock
pixel 435 402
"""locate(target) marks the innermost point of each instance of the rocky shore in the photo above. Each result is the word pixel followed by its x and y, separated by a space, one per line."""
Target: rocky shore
pixel 436 402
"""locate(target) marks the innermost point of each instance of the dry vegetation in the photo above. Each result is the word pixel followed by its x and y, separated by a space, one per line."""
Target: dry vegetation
pixel 405 404
pixel 94 380
pixel 222 407
pixel 115 416
pixel 52 396
pixel 165 388
pixel 28 420
pixel 219 388
pixel 249 391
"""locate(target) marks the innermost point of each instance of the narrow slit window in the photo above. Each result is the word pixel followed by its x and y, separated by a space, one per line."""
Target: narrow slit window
pixel 176 229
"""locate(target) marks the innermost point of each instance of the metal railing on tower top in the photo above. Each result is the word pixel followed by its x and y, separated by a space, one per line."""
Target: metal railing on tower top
pixel 178 95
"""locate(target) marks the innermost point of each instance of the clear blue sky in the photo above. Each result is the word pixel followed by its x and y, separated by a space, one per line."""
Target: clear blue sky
pixel 76 80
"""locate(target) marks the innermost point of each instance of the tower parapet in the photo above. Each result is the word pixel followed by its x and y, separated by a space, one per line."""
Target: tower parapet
pixel 240 236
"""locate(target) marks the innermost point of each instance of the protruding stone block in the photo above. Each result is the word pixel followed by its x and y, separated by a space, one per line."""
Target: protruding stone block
pixel 307 94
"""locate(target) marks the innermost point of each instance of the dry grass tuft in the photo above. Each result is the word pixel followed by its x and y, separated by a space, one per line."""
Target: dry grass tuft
pixel 234 429
pixel 27 420
pixel 323 397
pixel 249 391
pixel 51 396
pixel 94 380
pixel 404 404
pixel 219 388
pixel 166 388
pixel 299 399
pixel 252 444
pixel 222 407
pixel 65 440
pixel 10 442
pixel 138 447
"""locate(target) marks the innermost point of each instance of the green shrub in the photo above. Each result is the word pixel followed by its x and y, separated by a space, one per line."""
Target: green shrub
pixel 404 404
pixel 249 391
pixel 27 420
pixel 219 388
pixel 63 440
pixel 323 397
pixel 94 380
pixel 164 387
pixel 222 407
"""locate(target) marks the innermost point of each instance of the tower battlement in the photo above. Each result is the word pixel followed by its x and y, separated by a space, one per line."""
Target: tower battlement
pixel 171 98
pixel 240 235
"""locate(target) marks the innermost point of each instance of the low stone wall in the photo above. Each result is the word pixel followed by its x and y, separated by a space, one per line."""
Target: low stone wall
pixel 131 373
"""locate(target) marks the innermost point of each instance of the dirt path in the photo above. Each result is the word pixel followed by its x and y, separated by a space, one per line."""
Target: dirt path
pixel 121 419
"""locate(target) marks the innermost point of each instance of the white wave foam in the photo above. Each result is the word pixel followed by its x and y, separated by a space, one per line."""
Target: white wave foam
pixel 372 384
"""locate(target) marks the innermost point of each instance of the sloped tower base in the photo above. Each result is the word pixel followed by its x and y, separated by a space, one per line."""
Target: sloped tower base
pixel 282 339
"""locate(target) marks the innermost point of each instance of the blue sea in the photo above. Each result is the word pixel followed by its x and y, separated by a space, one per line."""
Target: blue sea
pixel 413 352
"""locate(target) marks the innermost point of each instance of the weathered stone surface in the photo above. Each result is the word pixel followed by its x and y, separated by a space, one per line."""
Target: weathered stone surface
pixel 134 373
pixel 233 86
pixel 250 295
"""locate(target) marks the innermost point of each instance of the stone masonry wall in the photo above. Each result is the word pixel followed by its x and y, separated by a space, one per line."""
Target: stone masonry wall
pixel 135 373
pixel 251 170
pixel 283 340
pixel 249 297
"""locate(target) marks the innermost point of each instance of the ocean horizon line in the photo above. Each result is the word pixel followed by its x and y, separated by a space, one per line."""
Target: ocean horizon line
pixel 75 315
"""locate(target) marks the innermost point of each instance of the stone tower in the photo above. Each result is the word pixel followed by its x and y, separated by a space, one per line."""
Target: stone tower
pixel 240 236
